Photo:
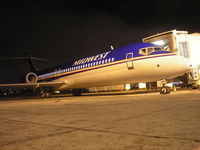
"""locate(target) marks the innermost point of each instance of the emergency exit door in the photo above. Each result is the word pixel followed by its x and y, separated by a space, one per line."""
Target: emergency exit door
pixel 129 62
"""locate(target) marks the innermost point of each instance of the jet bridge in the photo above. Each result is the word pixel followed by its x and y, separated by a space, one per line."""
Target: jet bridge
pixel 183 44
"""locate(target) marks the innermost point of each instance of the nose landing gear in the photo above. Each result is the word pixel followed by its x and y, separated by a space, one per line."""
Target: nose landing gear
pixel 165 90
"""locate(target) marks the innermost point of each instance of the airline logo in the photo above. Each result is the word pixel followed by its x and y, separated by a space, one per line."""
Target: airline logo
pixel 92 58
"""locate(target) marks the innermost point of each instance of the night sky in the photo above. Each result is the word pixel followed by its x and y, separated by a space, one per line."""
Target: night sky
pixel 64 31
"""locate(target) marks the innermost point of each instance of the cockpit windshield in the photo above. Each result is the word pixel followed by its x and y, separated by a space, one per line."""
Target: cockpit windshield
pixel 148 50
pixel 157 49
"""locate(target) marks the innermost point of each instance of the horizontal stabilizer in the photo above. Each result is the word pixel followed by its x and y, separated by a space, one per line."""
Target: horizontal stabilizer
pixel 24 58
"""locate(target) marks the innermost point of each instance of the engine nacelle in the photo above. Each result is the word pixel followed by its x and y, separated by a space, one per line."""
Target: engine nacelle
pixel 31 78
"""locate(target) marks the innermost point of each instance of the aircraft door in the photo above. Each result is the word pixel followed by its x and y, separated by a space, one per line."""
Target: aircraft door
pixel 129 62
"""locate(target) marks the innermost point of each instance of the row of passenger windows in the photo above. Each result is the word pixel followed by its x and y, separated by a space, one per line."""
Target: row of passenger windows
pixel 91 64
pixel 80 67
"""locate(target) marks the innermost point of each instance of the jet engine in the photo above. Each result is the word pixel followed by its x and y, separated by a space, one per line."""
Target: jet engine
pixel 31 78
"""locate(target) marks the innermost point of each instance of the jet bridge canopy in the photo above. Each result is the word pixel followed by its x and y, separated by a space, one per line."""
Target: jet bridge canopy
pixel 175 41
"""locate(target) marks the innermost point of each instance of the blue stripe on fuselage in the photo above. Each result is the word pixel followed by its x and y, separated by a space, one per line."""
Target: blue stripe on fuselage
pixel 117 54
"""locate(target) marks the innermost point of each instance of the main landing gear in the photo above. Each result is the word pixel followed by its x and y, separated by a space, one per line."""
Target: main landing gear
pixel 76 92
pixel 46 95
pixel 44 92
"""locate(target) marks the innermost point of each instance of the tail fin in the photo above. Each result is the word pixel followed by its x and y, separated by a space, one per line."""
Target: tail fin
pixel 28 59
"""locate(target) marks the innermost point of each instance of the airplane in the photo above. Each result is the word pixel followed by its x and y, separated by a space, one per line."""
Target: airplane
pixel 135 63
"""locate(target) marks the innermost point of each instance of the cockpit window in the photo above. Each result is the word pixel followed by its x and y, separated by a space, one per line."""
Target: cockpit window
pixel 157 49
pixel 148 50
pixel 142 51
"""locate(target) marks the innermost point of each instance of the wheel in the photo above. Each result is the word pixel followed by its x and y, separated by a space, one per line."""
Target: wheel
pixel 46 95
pixel 168 90
pixel 76 92
pixel 44 92
pixel 165 90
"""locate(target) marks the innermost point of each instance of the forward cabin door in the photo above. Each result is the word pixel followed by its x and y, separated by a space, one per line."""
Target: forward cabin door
pixel 129 62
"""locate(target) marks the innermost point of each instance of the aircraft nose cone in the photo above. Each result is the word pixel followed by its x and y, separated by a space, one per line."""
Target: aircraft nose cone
pixel 183 64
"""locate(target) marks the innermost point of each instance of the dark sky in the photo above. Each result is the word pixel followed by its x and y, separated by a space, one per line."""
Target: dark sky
pixel 63 31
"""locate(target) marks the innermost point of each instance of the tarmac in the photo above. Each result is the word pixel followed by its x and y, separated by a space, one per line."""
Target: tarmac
pixel 147 121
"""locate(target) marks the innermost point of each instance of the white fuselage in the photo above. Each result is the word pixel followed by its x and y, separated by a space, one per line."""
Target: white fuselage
pixel 132 70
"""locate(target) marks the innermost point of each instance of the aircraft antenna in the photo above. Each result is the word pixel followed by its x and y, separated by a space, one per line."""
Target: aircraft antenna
pixel 111 47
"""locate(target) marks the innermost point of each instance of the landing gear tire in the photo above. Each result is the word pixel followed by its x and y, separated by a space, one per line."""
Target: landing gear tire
pixel 165 90
pixel 46 95
pixel 76 92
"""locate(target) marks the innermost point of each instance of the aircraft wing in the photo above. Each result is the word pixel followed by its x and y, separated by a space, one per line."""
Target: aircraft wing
pixel 31 85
